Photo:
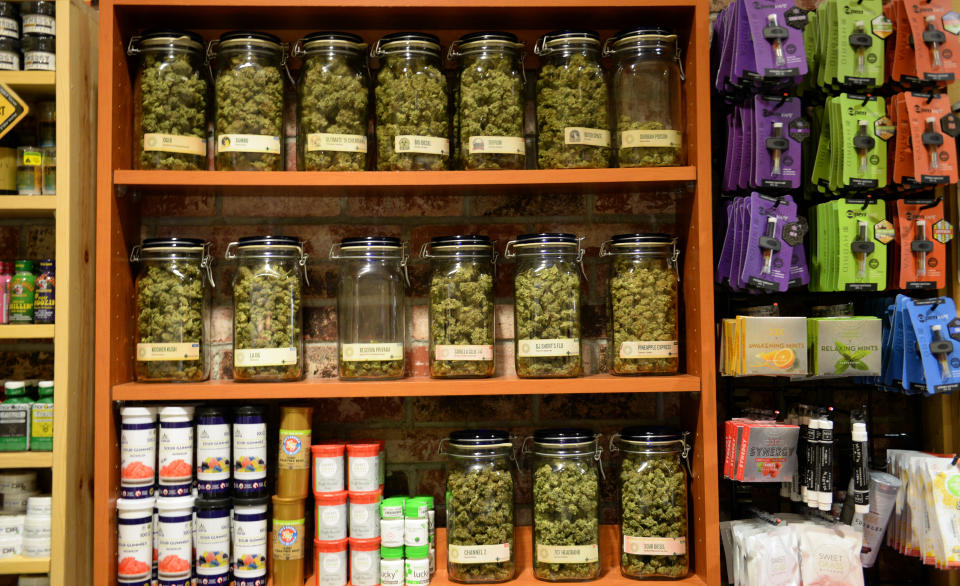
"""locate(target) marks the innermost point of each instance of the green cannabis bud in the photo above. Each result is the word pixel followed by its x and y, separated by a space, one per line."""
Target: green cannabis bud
pixel 653 492
pixel 571 94
pixel 266 314
pixel 170 304
pixel 461 314
pixel 642 307
pixel 249 101
pixel 480 512
pixel 565 498
pixel 173 101
pixel 547 307
pixel 490 101
pixel 412 101
pixel 368 369
pixel 645 156
pixel 332 99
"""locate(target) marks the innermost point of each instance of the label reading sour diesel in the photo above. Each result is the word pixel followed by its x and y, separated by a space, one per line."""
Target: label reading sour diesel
pixel 654 545
pixel 479 554
pixel 586 136
pixel 541 348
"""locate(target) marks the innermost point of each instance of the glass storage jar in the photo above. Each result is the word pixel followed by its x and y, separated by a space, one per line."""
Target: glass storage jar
pixel 267 317
pixel 332 102
pixel 647 98
pixel 413 123
pixel 566 504
pixel 461 306
pixel 173 309
pixel 642 304
pixel 371 311
pixel 489 101
pixel 248 124
pixel 9 54
pixel 39 52
pixel 39 17
pixel 546 312
pixel 480 516
pixel 10 20
pixel 170 101
pixel 653 502
pixel 573 113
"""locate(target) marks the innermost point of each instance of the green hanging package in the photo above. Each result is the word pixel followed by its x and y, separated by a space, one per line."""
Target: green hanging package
pixel 852 150
pixel 849 253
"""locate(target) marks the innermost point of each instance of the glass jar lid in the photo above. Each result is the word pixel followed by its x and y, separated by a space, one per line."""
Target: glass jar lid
pixel 378 242
pixel 407 43
pixel 563 436
pixel 457 245
pixel 250 39
pixel 212 503
pixel 163 39
pixel 40 7
pixel 271 241
pixel 651 434
pixel 484 41
pixel 479 438
pixel 9 9
pixel 558 238
pixel 185 244
pixel 40 43
pixel 641 38
pixel 653 244
pixel 567 39
pixel 333 41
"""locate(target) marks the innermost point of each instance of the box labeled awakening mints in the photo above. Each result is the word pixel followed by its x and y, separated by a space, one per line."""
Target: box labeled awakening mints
pixel 772 345
pixel 845 346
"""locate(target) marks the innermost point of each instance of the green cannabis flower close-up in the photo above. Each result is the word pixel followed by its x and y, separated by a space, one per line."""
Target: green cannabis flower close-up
pixel 170 308
pixel 266 314
pixel 249 101
pixel 490 102
pixel 644 156
pixel 642 307
pixel 547 307
pixel 565 513
pixel 369 369
pixel 173 101
pixel 461 313
pixel 332 98
pixel 480 512
pixel 571 93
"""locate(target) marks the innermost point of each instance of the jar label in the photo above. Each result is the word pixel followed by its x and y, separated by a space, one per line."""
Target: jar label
pixel 213 452
pixel 213 545
pixel 14 427
pixel 344 143
pixel 9 27
pixel 9 61
pixel 415 532
pixel 555 347
pixel 249 548
pixel 249 451
pixel 497 145
pixel 32 158
pixel 138 454
pixel 288 539
pixel 39 24
pixel 328 474
pixel 391 532
pixel 662 349
pixel 175 452
pixel 39 61
pixel 370 352
pixel 248 143
pixel 134 547
pixel 152 352
pixel 364 568
pixel 417 572
pixel 655 545
pixel 428 145
pixel 479 554
pixel 630 139
pixel 468 353
pixel 294 449
pixel 391 572
pixel 175 545
pixel 586 136
pixel 175 143
pixel 244 357
pixel 567 554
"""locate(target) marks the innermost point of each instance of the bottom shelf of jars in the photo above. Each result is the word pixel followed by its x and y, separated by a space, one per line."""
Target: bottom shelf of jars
pixel 609 561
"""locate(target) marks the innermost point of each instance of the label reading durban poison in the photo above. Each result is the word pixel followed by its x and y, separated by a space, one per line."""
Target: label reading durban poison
pixel 249 455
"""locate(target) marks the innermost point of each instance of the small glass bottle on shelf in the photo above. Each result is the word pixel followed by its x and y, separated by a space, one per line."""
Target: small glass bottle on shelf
pixel 39 17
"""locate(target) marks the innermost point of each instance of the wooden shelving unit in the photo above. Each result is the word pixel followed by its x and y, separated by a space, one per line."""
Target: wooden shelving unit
pixel 119 223
pixel 26 460
pixel 24 565
pixel 26 331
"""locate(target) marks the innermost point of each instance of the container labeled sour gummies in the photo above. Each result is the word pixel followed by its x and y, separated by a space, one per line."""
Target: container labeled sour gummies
pixel 330 562
pixel 331 517
pixel 138 451
pixel 249 453
pixel 329 473
pixel 134 541
pixel 175 540
pixel 293 461
pixel 175 451
pixel 289 541
pixel 250 541
pixel 212 535
pixel 213 452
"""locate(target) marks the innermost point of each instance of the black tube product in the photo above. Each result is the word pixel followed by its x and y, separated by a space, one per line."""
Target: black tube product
pixel 825 496
pixel 861 474
pixel 813 462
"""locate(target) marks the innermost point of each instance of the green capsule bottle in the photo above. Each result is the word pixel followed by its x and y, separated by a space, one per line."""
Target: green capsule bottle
pixel 41 419
pixel 15 418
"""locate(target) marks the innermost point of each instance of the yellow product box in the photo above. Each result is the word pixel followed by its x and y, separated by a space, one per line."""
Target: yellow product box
pixel 774 346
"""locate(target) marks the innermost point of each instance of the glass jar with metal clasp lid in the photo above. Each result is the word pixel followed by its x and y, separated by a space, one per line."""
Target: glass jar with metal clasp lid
pixel 371 311
pixel 653 502
pixel 643 304
pixel 647 98
pixel 267 307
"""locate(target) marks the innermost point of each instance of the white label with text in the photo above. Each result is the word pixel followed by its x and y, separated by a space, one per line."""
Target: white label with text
pixel 662 349
pixel 586 136
pixel 479 554
pixel 654 545
pixel 345 143
pixel 567 554
pixel 265 356
pixel 650 138
pixel 152 352
pixel 369 352
pixel 543 348
pixel 248 143
pixel 427 145
pixel 497 145
pixel 175 143
pixel 469 353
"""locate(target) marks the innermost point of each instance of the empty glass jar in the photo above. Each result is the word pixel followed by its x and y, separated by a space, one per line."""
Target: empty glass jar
pixel 642 304
pixel 647 98
pixel 371 313
pixel 267 316
pixel 461 306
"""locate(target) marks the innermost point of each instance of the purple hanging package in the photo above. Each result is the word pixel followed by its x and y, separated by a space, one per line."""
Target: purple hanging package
pixel 768 259
pixel 778 46
pixel 776 151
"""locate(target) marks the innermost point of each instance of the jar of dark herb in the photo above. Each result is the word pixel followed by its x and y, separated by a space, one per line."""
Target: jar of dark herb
pixel 173 286
pixel 566 504
pixel 489 101
pixel 10 20
pixel 170 101
pixel 267 316
pixel 653 502
pixel 9 54
pixel 39 17
pixel 461 306
pixel 643 304
pixel 39 53
pixel 480 515
pixel 573 114
pixel 647 98
pixel 332 102
pixel 248 124
pixel 413 122
pixel 547 304
pixel 371 312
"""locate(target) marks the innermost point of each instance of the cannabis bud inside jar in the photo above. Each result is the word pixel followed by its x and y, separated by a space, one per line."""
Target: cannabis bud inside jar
pixel 267 317
pixel 461 306
pixel 170 101
pixel 566 493
pixel 173 308
pixel 653 503
pixel 413 128
pixel 332 102
pixel 248 123
pixel 480 515
pixel 573 116
pixel 642 304
pixel 547 304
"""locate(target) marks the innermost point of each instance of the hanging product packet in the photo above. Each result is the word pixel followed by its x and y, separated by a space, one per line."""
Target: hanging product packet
pixel 922 234
pixel 863 233
pixel 766 265
pixel 926 149
pixel 829 554
pixel 937 330
pixel 941 480
pixel 776 150
pixel 844 346
pixel 773 557
pixel 852 153
pixel 933 27
pixel 851 45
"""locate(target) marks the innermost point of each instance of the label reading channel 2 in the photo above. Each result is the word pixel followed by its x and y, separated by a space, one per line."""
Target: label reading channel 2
pixel 570 554
pixel 664 349
pixel 655 545
pixel 586 136
pixel 630 139
pixel 497 145
pixel 479 554
pixel 294 449
pixel 555 347
pixel 288 539
pixel 467 353
pixel 427 145
pixel 344 143
pixel 175 143
pixel 246 357
pixel 368 352
pixel 248 143
pixel 152 352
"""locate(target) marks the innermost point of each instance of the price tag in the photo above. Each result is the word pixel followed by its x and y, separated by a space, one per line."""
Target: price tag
pixel 12 109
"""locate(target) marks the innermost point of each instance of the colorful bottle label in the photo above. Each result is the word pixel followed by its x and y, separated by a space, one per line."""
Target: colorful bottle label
pixel 250 549
pixel 288 539
pixel 249 456
pixel 138 456
pixel 22 288
pixel 175 454
pixel 14 427
pixel 44 299
pixel 41 427
pixel 294 449
pixel 213 458
pixel 175 545
pixel 212 530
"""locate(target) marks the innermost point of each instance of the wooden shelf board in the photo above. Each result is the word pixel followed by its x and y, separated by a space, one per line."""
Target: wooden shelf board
pixel 30 83
pixel 26 460
pixel 26 206
pixel 25 331
pixel 414 386
pixel 23 565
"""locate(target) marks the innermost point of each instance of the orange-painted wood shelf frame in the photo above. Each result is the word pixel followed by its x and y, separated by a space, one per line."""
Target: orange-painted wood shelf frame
pixel 118 220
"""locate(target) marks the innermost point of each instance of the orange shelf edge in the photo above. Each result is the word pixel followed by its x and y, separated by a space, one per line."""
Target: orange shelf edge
pixel 465 4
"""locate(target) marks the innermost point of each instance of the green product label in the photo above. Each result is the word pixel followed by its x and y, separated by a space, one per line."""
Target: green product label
pixel 21 299
pixel 14 427
pixel 953 485
pixel 41 427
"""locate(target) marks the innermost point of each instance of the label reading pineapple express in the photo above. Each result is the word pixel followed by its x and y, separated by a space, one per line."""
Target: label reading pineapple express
pixel 567 554
pixel 373 351
pixel 152 352
pixel 588 136
pixel 543 348
pixel 174 143
pixel 344 143
pixel 661 349
pixel 467 352
pixel 479 554
pixel 650 138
